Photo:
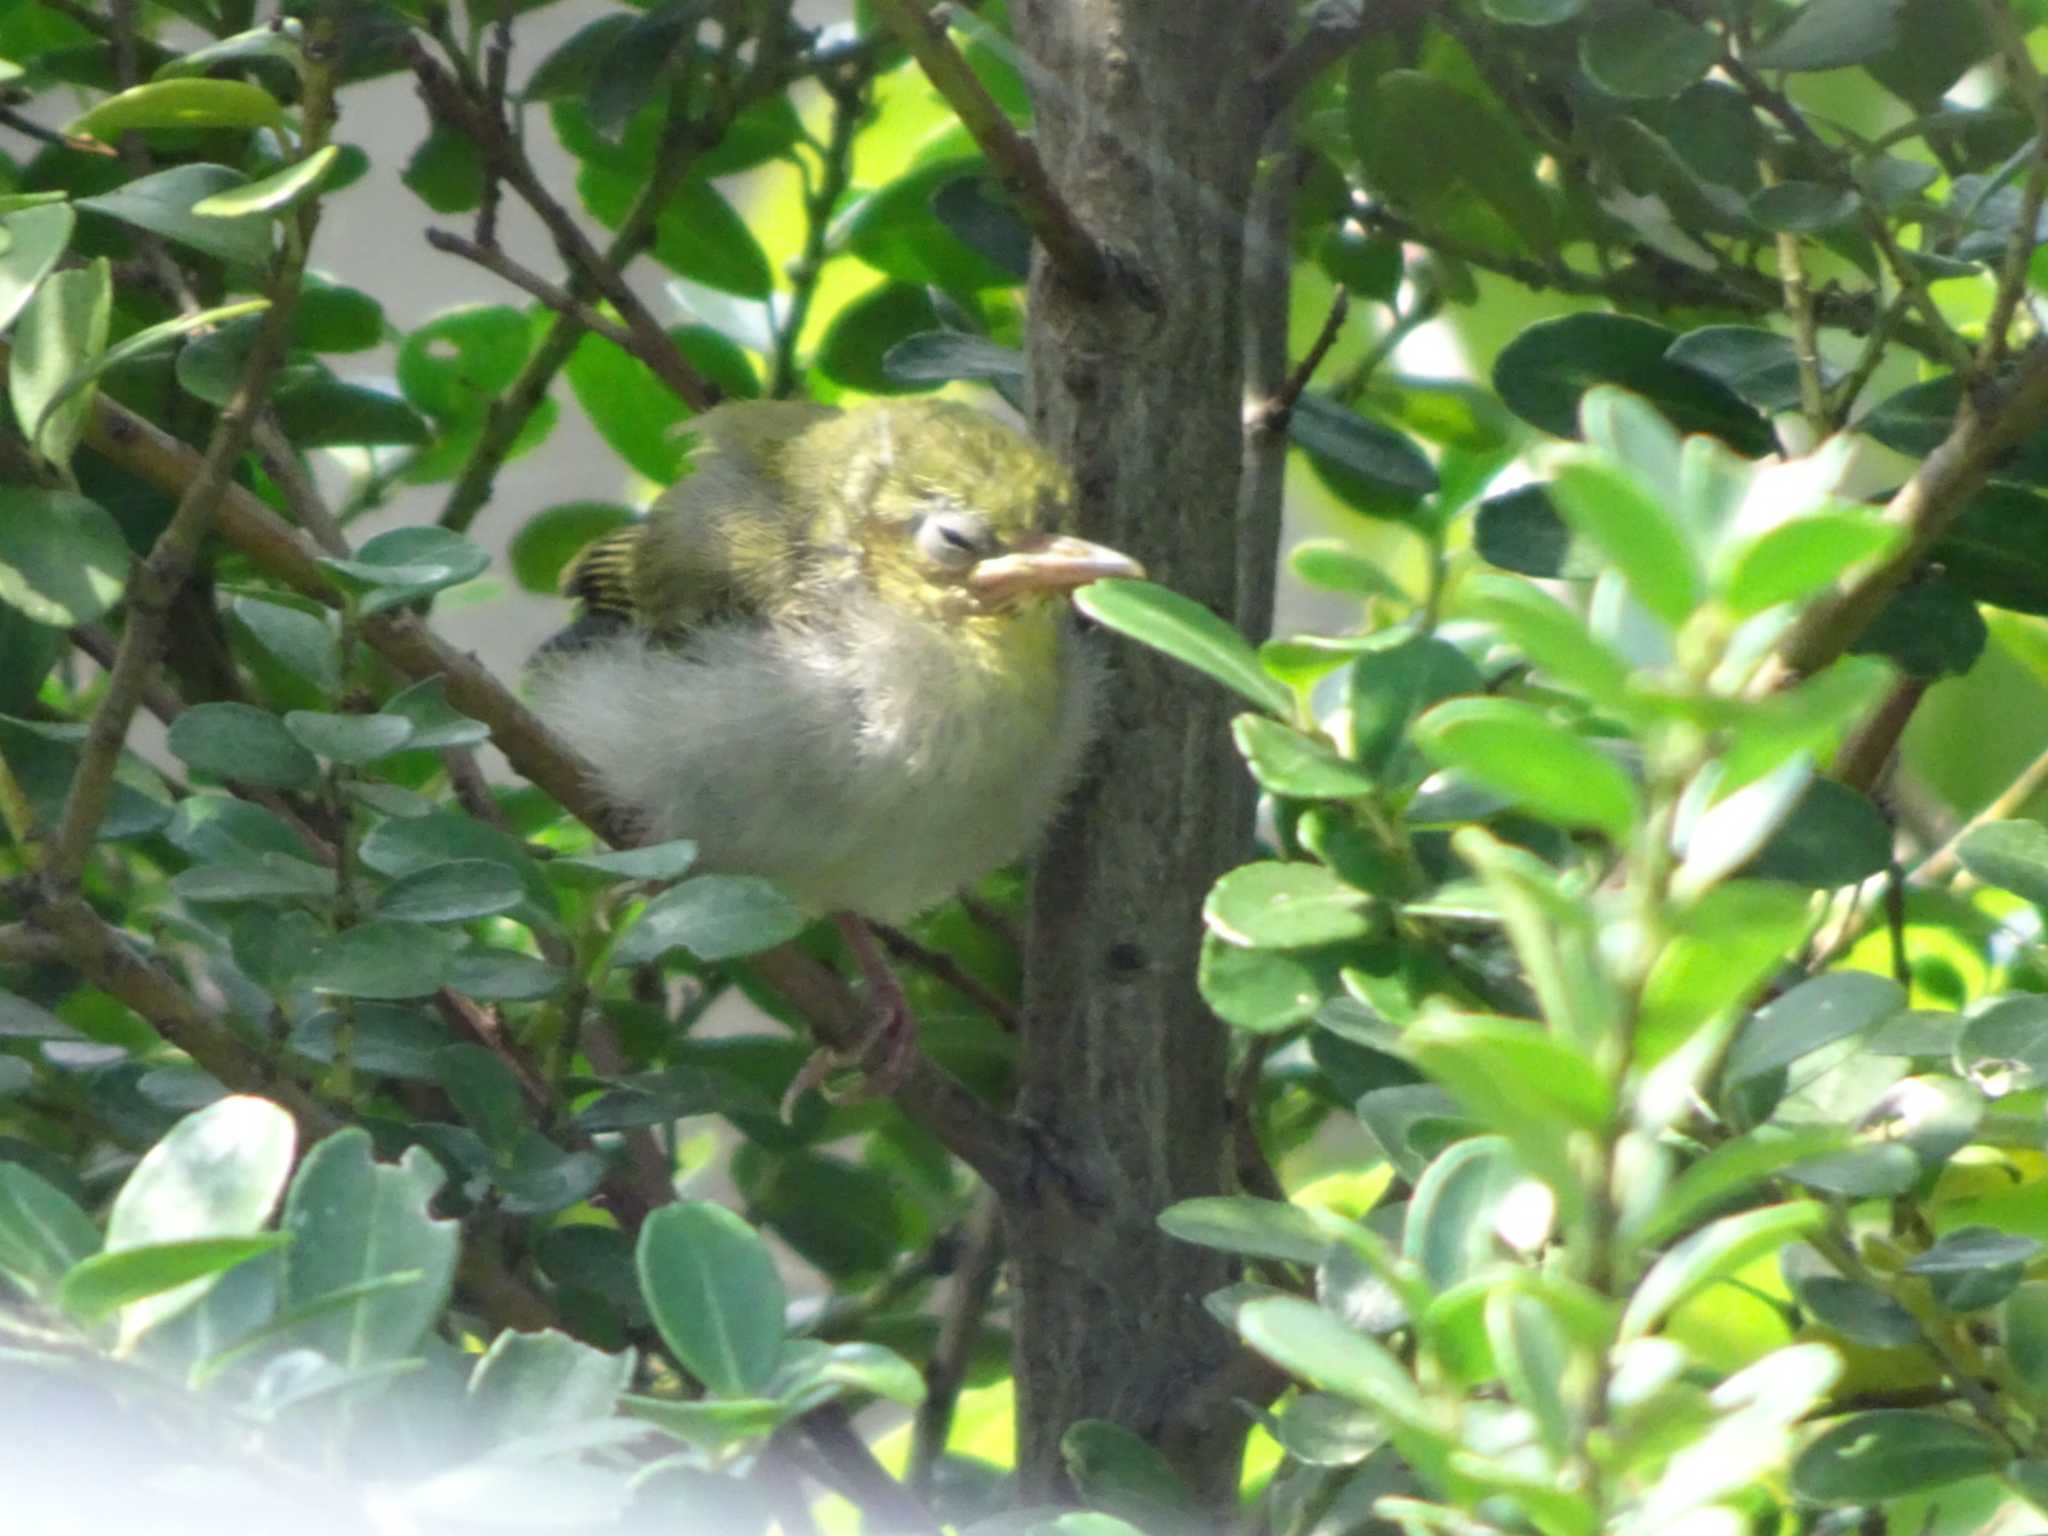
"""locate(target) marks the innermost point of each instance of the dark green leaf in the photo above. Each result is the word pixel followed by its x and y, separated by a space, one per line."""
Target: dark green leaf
pixel 435 722
pixel 868 331
pixel 380 959
pixel 1860 1313
pixel 1263 990
pixel 1425 142
pixel 1640 51
pixel 1542 373
pixel 485 1092
pixel 323 413
pixel 354 1221
pixel 457 363
pixel 898 231
pixel 407 563
pixel 350 740
pixel 1869 1457
pixel 162 203
pixel 446 172
pixel 714 1293
pixel 1759 365
pixel 62 558
pixel 2012 855
pixel 1930 629
pixel 698 234
pixel 452 893
pixel 1996 550
pixel 43 1233
pixel 242 743
pixel 1813 1014
pixel 1118 1471
pixel 1830 34
pixel 263 877
pixel 1286 762
pixel 986 222
pixel 34 239
pixel 1804 207
pixel 938 357
pixel 1381 455
pixel 1244 1224
pixel 44 758
pixel 1832 836
pixel 714 917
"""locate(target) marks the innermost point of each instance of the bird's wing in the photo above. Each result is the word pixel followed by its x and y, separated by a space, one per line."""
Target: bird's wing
pixel 725 542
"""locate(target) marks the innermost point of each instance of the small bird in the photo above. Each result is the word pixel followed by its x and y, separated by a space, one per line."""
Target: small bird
pixel 838 655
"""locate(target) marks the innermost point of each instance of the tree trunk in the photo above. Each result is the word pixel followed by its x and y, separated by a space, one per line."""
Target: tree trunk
pixel 1149 125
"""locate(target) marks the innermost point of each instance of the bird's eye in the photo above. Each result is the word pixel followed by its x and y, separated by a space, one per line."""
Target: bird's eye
pixel 954 540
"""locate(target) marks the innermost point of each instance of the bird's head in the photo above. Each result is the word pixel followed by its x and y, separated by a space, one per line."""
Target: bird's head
pixel 950 513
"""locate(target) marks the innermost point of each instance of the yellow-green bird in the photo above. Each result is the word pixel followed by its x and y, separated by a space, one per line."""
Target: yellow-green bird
pixel 838 654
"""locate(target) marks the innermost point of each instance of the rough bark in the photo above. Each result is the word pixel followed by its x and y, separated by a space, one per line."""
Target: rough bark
pixel 1149 123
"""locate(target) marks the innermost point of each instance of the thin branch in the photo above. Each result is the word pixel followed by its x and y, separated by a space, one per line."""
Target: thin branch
pixel 974 1282
pixel 23 124
pixel 2027 83
pixel 835 174
pixel 26 944
pixel 2010 801
pixel 1862 758
pixel 1073 251
pixel 155 582
pixel 103 648
pixel 1334 28
pixel 1990 422
pixel 665 359
pixel 1271 413
pixel 849 1466
pixel 503 154
pixel 301 495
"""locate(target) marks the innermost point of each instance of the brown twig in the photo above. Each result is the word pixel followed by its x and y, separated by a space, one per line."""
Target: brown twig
pixel 155 582
pixel 850 1466
pixel 26 944
pixel 454 109
pixel 1271 413
pixel 1334 28
pixel 2027 83
pixel 1990 422
pixel 665 360
pixel 974 1282
pixel 1073 251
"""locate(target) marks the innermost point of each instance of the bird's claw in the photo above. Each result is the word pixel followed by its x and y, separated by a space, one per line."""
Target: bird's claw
pixel 874 1068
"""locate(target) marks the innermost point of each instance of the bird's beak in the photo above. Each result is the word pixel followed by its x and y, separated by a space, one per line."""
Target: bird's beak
pixel 1048 563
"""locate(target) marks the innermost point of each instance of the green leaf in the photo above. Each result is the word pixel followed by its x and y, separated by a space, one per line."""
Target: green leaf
pixel 652 861
pixel 261 877
pixel 1869 1457
pixel 1726 944
pixel 380 959
pixel 1263 990
pixel 1244 1224
pixel 106 1282
pixel 714 917
pixel 1832 836
pixel 43 1233
pixel 709 1424
pixel 354 1221
pixel 1640 52
pixel 939 357
pixel 44 758
pixel 546 542
pixel 1863 1314
pixel 1287 906
pixel 1182 628
pixel 897 230
pixel 275 193
pixel 1532 13
pixel 2004 1045
pixel 1760 366
pixel 350 740
pixel 180 103
pixel 1384 457
pixel 1546 768
pixel 162 203
pixel 1520 530
pixel 1731 1169
pixel 302 640
pixel 2012 855
pixel 698 235
pixel 981 217
pixel 533 1383
pixel 866 332
pixel 405 564
pixel 1453 1215
pixel 503 975
pixel 1337 567
pixel 1305 1341
pixel 1930 629
pixel 1797 559
pixel 146 341
pixel 452 893
pixel 1714 1253
pixel 1120 1472
pixel 435 722
pixel 62 558
pixel 61 332
pixel 1831 34
pixel 637 414
pixel 714 1293
pixel 1612 511
pixel 1813 1014
pixel 331 318
pixel 216 1173
pixel 2023 1327
pixel 446 171
pixel 31 242
pixel 1552 636
pixel 1287 762
pixel 456 364
pixel 279 42
pixel 242 743
pixel 1974 1267
pixel 1544 371
pixel 1804 207
pixel 486 1093
pixel 1424 142
pixel 1996 550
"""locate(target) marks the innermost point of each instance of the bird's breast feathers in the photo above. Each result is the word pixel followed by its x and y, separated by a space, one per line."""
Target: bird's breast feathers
pixel 875 766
